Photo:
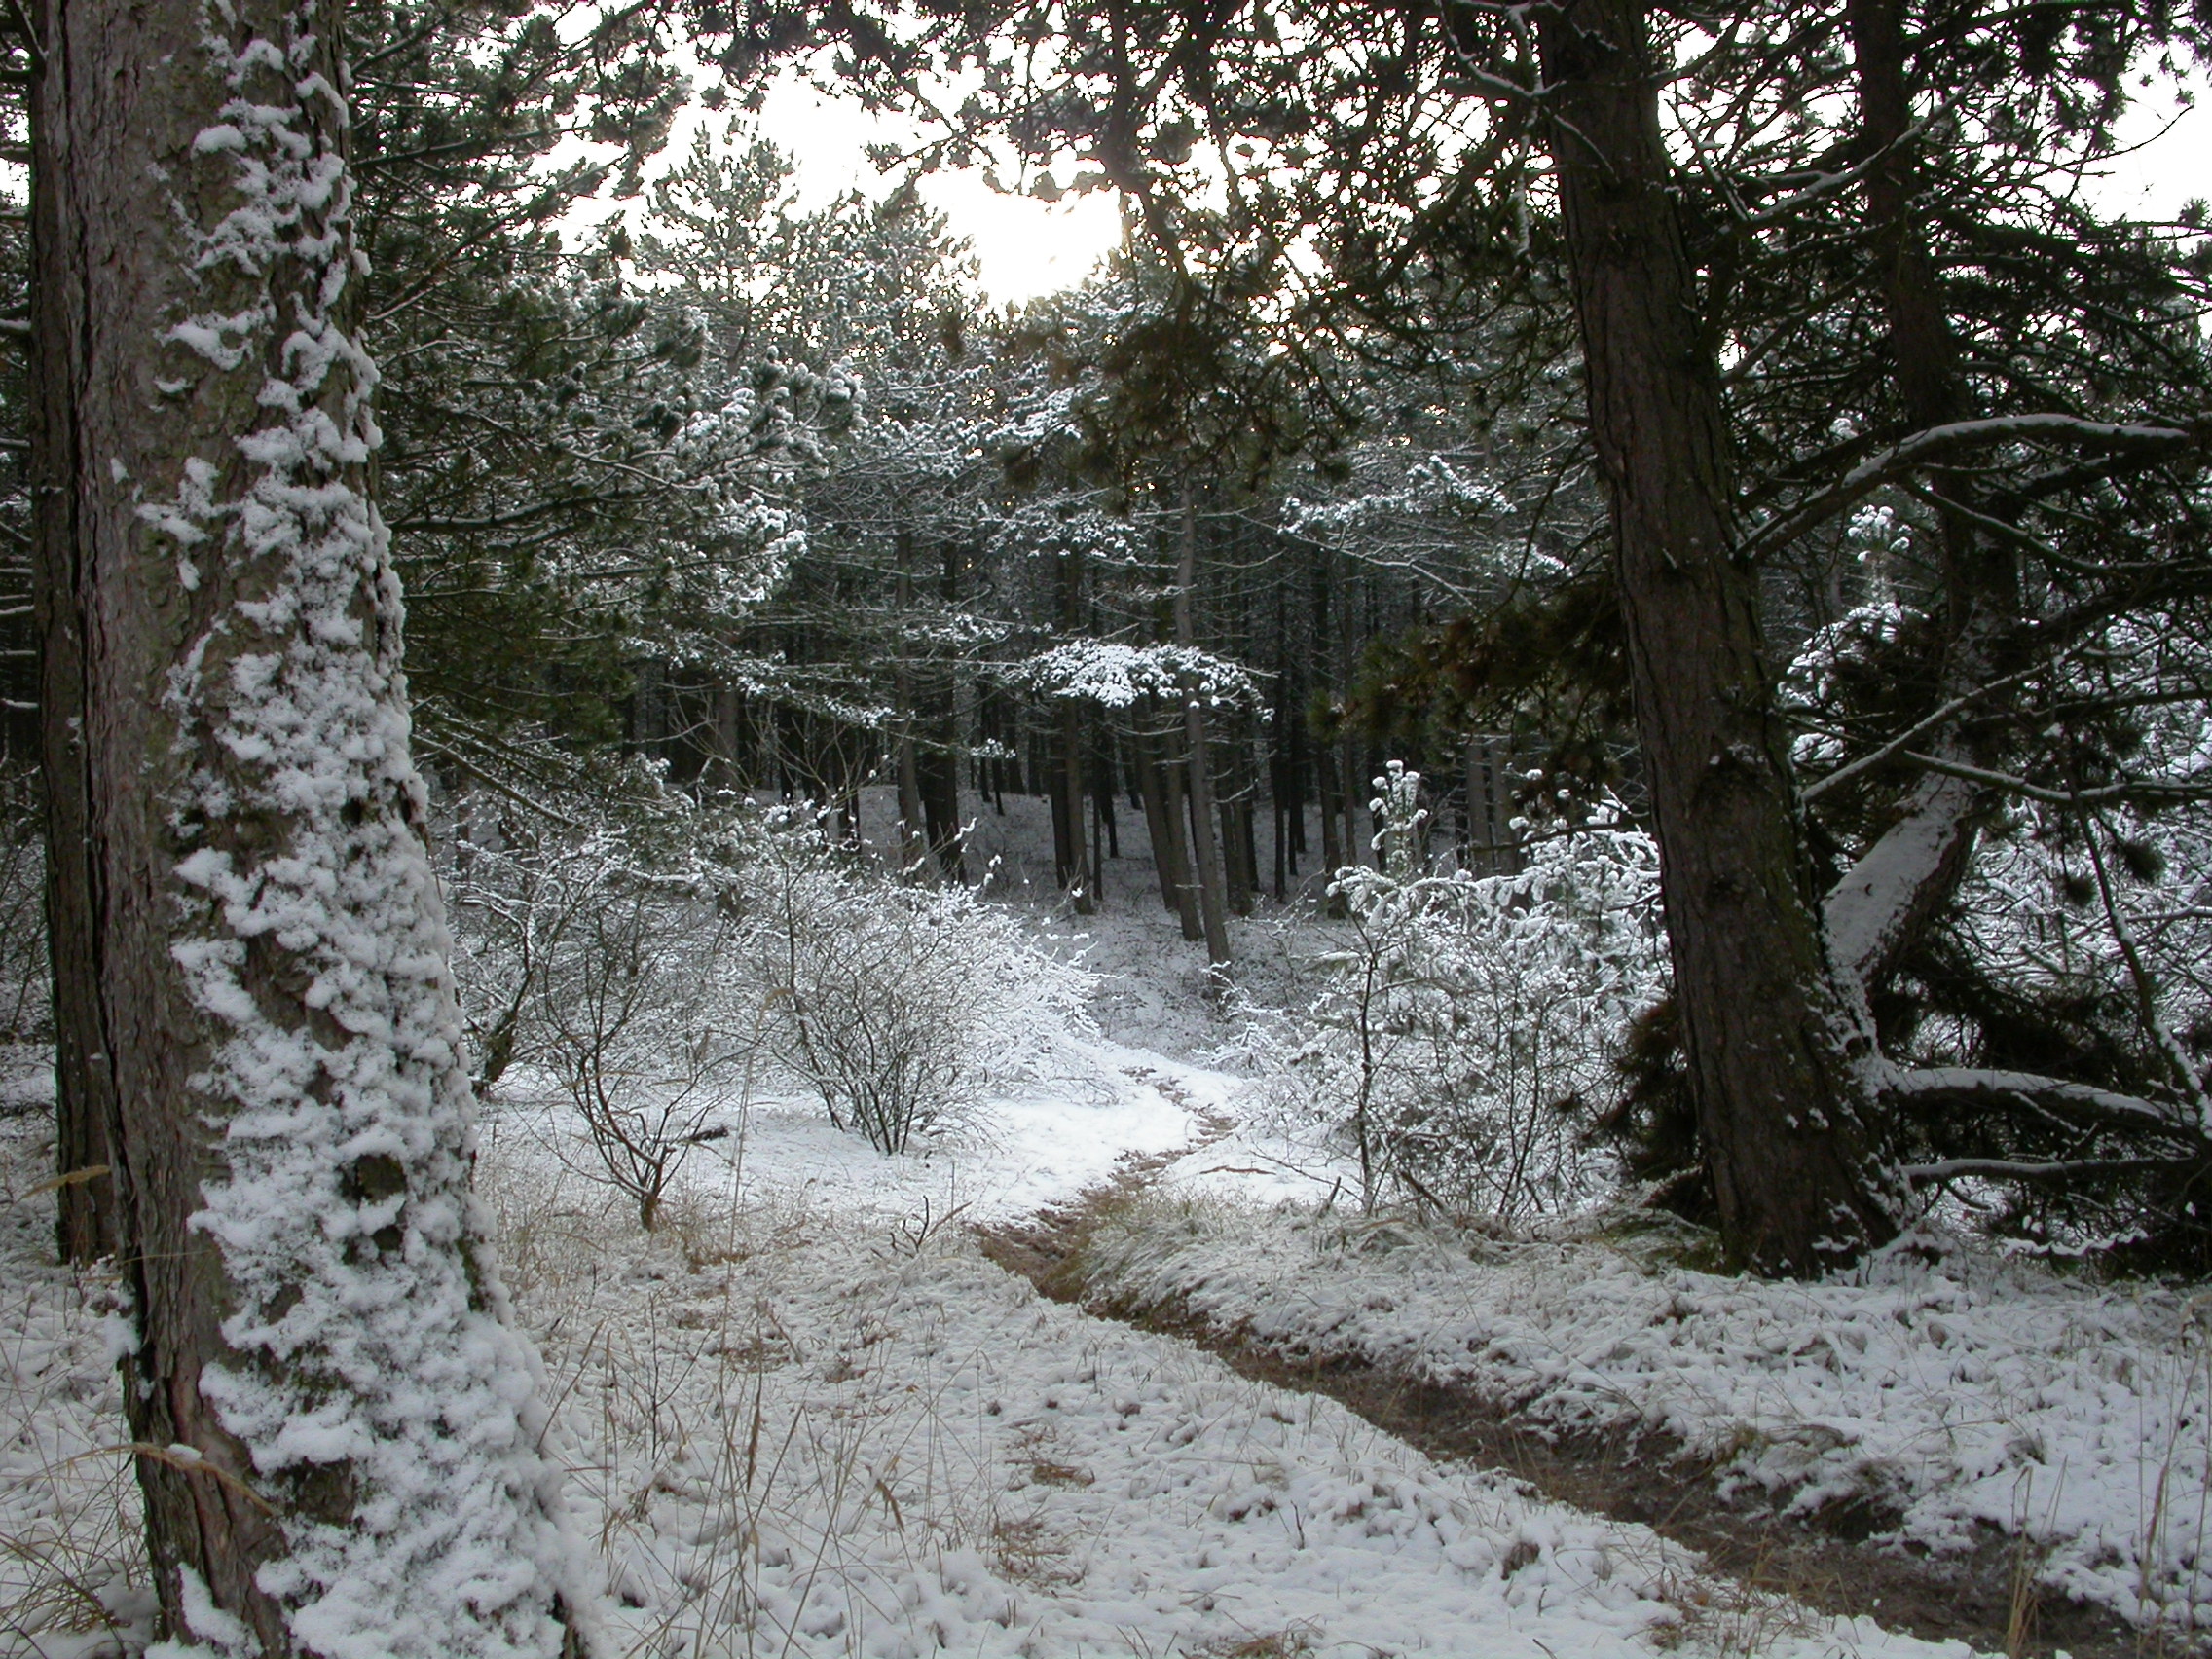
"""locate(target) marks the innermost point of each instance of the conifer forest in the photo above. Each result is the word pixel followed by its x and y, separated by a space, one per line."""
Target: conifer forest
pixel 1464 909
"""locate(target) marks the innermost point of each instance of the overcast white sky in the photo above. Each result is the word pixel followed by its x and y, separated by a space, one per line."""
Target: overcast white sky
pixel 1027 247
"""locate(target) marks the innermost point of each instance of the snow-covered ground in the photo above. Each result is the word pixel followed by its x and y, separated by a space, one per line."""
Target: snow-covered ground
pixel 816 1421
pixel 808 1416
pixel 1952 1391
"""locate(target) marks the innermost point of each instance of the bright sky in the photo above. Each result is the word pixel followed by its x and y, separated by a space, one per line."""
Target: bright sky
pixel 1027 247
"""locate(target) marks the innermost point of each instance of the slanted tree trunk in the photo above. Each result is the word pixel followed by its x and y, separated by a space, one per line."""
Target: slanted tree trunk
pixel 1777 1064
pixel 1884 903
pixel 252 933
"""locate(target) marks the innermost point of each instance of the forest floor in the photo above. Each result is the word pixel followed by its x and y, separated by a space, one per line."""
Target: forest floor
pixel 814 1413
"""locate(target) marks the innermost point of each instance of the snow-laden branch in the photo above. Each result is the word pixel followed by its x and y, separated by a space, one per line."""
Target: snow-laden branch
pixel 1939 442
pixel 2058 1170
pixel 1119 677
pixel 1904 740
pixel 1973 1086
pixel 2193 788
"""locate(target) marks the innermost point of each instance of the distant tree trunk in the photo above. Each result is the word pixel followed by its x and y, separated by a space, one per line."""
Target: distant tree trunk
pixel 913 844
pixel 940 775
pixel 914 841
pixel 1212 907
pixel 1075 864
pixel 262 995
pixel 1163 817
pixel 729 768
pixel 1332 843
pixel 940 759
pixel 1076 875
pixel 84 1075
pixel 1493 842
pixel 1774 1054
pixel 1102 793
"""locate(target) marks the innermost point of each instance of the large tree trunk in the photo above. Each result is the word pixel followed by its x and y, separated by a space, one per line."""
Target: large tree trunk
pixel 1778 1065
pixel 254 942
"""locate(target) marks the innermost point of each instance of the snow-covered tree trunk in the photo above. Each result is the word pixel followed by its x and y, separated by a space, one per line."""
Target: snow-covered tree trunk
pixel 349 1431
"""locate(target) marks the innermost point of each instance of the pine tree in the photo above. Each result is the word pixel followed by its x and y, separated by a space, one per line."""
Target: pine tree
pixel 340 1439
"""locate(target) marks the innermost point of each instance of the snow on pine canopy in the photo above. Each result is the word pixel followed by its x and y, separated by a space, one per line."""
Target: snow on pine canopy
pixel 1119 677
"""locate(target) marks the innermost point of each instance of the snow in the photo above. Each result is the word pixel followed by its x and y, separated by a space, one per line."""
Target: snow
pixel 816 1425
pixel 1959 1392
pixel 807 1417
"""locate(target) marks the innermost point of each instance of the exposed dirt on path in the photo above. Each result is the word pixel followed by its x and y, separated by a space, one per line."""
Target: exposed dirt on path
pixel 1828 1564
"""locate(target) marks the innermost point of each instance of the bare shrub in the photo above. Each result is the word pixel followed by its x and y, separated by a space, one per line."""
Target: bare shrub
pixel 640 1033
pixel 897 1004
pixel 594 956
pixel 513 891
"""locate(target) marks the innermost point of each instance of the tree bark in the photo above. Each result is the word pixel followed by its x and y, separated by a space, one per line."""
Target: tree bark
pixel 1212 908
pixel 1162 808
pixel 1781 1071
pixel 256 985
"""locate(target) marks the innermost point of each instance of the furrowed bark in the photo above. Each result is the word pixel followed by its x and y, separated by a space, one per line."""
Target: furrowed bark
pixel 255 984
pixel 1783 1101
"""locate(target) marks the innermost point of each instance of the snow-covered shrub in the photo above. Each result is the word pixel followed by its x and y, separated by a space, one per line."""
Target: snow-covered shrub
pixel 1471 1021
pixel 597 956
pixel 897 1003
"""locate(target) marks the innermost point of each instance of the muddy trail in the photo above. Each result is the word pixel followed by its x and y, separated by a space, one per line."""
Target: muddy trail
pixel 1830 1563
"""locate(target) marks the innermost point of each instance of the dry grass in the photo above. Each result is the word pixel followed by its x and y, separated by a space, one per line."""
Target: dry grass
pixel 725 1453
pixel 71 1532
